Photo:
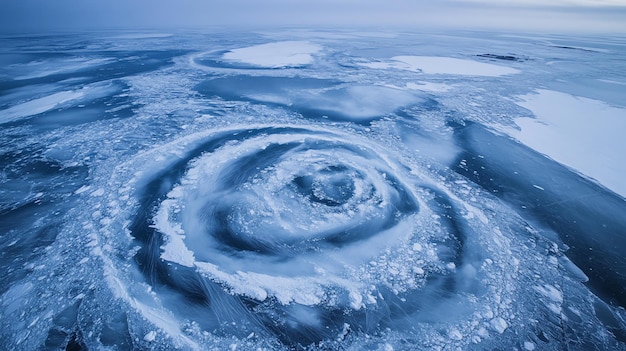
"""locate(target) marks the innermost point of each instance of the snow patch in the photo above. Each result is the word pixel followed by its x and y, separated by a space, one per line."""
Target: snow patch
pixel 443 65
pixel 174 249
pixel 40 105
pixel 57 100
pixel 301 290
pixel 584 134
pixel 275 55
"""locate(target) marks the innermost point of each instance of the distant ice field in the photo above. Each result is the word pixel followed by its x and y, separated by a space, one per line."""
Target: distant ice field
pixel 312 190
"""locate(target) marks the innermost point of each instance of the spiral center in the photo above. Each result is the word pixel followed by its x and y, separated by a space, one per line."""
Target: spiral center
pixel 334 186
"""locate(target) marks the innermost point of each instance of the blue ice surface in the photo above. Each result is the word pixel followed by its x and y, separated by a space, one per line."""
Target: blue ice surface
pixel 529 252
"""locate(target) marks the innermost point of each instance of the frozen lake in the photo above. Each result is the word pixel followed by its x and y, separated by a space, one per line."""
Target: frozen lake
pixel 312 190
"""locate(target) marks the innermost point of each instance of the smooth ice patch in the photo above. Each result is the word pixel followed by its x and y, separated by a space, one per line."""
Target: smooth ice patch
pixel 359 102
pixel 584 134
pixel 275 55
pixel 443 65
pixel 39 69
pixel 52 101
pixel 37 106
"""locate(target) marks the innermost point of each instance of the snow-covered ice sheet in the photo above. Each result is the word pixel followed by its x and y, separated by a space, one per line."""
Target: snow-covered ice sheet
pixel 584 134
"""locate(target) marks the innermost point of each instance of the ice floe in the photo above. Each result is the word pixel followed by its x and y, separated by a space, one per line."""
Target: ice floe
pixel 275 55
pixel 584 134
pixel 442 65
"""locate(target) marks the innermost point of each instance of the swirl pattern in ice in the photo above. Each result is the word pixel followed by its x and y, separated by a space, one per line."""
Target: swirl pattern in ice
pixel 291 217
pixel 323 197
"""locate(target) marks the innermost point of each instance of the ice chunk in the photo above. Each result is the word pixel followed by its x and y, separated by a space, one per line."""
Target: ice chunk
pixel 150 336
pixel 550 292
pixel 498 324
pixel 454 334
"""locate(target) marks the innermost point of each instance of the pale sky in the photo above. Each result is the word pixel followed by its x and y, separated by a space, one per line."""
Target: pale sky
pixel 590 16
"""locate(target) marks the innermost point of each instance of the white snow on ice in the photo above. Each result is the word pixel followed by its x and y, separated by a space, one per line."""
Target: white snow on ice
pixel 443 65
pixel 40 105
pixel 275 55
pixel 174 248
pixel 56 100
pixel 44 68
pixel 584 134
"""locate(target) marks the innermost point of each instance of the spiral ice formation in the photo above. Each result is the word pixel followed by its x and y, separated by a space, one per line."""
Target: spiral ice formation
pixel 248 191
pixel 287 218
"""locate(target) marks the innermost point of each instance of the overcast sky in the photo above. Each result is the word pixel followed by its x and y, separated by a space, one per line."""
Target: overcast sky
pixel 528 15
